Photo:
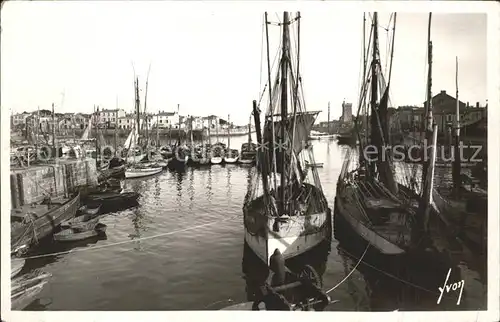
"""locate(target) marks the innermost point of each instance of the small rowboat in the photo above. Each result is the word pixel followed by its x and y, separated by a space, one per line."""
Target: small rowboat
pixel 74 235
pixel 23 290
pixel 314 165
pixel 16 266
pixel 89 210
pixel 137 172
pixel 246 161
pixel 216 160
pixel 80 224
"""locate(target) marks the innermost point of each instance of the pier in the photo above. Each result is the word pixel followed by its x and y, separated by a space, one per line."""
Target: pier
pixel 30 185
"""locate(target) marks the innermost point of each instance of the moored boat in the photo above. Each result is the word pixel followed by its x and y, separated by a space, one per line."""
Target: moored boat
pixel 112 201
pixel 17 265
pixel 80 223
pixel 30 223
pixel 144 171
pixel 315 135
pixel 285 209
pixel 71 234
pixel 232 156
pixel 24 289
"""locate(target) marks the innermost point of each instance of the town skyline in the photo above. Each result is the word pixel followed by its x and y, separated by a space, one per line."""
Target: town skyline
pixel 219 66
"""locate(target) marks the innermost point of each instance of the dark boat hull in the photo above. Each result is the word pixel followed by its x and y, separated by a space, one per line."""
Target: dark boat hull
pixel 113 201
pixel 45 224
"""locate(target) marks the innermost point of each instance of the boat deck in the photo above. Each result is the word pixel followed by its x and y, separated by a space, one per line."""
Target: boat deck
pixel 38 210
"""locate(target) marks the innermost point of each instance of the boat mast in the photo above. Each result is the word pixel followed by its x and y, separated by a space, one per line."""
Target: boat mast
pixel 137 109
pixel 228 134
pixel 363 84
pixel 271 108
pixel 329 118
pixel 456 160
pixel 116 127
pixel 249 130
pixel 53 128
pixel 374 89
pixel 145 111
pixel 96 111
pixel 179 131
pixel 37 125
pixel 158 130
pixel 431 136
pixel 191 130
pixel 284 107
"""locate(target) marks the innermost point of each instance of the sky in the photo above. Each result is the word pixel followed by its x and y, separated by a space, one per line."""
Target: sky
pixel 208 59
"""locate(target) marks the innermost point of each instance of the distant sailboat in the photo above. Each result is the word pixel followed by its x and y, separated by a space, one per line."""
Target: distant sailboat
pixel 231 155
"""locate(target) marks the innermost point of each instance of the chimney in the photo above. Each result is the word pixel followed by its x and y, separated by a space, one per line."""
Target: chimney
pixel 467 104
pixel 443 92
pixel 477 104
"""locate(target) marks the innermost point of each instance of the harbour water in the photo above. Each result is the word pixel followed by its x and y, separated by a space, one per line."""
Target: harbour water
pixel 196 262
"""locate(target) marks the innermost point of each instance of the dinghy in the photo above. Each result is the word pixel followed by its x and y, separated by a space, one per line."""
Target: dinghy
pixel 88 210
pixel 139 172
pixel 80 224
pixel 25 288
pixel 70 234
pixel 232 156
pixel 16 265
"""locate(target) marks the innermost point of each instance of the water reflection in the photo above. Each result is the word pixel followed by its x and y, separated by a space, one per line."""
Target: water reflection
pixel 408 290
pixel 49 246
pixel 209 185
pixel 228 194
pixel 255 272
pixel 191 188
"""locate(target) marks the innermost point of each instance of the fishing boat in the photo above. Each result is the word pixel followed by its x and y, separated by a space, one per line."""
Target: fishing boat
pixel 315 135
pixel 30 223
pixel 370 204
pixel 231 156
pixel 139 171
pixel 346 139
pixel 70 234
pixel 248 149
pixel 285 209
pixel 180 156
pixel 218 151
pixel 463 206
pixel 112 201
pixel 16 266
pixel 25 288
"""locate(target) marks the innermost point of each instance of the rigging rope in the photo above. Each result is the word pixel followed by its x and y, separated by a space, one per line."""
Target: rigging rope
pixel 354 268
pixel 126 241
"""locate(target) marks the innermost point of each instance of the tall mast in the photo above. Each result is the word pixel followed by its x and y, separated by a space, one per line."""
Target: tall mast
pixel 428 105
pixel 456 160
pixel 53 128
pixel 284 107
pixel 158 130
pixel 249 130
pixel 179 132
pixel 191 130
pixel 37 125
pixel 228 134
pixel 145 110
pixel 364 119
pixel 116 126
pixel 137 108
pixel 329 118
pixel 374 87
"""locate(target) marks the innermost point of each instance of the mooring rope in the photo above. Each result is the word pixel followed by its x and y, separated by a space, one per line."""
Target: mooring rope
pixel 353 269
pixel 126 241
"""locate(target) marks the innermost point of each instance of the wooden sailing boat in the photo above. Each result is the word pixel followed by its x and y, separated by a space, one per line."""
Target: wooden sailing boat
pixel 231 155
pixel 136 169
pixel 181 155
pixel 285 210
pixel 248 149
pixel 369 201
pixel 463 209
pixel 218 149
